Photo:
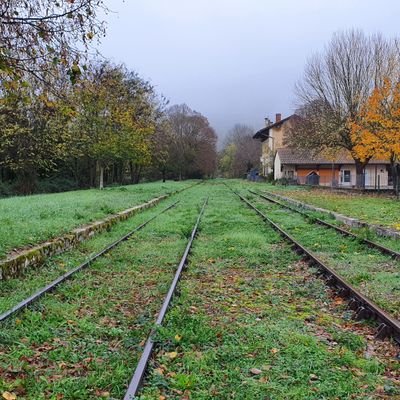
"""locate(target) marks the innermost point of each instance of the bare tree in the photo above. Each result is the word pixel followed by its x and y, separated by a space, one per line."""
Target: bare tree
pixel 192 145
pixel 241 152
pixel 335 85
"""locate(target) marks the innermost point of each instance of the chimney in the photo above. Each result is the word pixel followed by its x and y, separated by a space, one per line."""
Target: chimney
pixel 278 118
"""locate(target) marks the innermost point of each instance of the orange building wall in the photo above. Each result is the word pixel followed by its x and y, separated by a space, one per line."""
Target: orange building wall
pixel 325 174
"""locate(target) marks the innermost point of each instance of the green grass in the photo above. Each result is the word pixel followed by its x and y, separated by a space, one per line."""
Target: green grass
pixel 26 221
pixel 253 323
pixel 83 341
pixel 374 274
pixel 372 208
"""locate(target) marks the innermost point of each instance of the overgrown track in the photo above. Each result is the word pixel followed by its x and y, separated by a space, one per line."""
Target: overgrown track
pixel 139 373
pixel 51 286
pixel 363 307
pixel 369 243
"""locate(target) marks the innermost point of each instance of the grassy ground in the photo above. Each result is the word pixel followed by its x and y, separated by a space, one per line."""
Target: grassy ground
pixel 376 275
pixel 30 220
pixel 83 341
pixel 391 243
pixel 251 322
pixel 366 207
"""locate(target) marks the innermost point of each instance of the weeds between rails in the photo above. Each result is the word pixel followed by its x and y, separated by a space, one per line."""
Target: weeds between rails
pixel 363 307
pixel 372 273
pixel 140 371
pixel 252 321
pixel 50 287
pixel 383 249
pixel 82 341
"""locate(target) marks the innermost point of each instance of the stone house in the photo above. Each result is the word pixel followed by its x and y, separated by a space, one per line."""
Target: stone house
pixel 298 166
pixel 272 138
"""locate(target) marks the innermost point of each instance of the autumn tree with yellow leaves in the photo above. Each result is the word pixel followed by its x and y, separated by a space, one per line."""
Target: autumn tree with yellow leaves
pixel 376 130
pixel 336 85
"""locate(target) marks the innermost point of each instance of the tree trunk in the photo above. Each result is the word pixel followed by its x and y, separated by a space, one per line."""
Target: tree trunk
pixel 138 174
pixel 26 182
pixel 360 181
pixel 100 174
pixel 101 180
pixel 92 173
pixel 163 175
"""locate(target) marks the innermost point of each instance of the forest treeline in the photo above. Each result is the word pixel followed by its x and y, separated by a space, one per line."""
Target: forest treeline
pixel 70 121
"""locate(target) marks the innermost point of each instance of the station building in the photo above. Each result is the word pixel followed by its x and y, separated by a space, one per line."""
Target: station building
pixel 298 166
pixel 302 167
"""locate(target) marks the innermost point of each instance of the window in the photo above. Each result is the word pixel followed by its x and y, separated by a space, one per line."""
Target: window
pixel 290 174
pixel 346 176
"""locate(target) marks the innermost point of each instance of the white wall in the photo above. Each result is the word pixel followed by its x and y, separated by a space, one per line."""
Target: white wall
pixel 277 167
pixel 373 176
pixel 369 175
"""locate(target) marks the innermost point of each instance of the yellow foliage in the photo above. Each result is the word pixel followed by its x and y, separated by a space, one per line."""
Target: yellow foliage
pixel 376 131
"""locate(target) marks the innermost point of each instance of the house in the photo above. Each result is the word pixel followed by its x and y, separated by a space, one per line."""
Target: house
pixel 299 166
pixel 272 138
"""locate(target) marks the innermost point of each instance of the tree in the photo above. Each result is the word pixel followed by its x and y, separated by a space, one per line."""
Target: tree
pixel 376 131
pixel 192 143
pixel 37 35
pixel 241 152
pixel 162 142
pixel 34 133
pixel 335 86
pixel 116 116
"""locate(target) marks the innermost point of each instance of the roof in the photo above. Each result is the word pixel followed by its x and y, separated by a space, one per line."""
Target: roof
pixel 264 132
pixel 304 157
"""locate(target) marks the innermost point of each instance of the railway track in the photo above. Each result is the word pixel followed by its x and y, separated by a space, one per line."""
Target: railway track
pixel 62 278
pixel 384 250
pixel 135 383
pixel 137 378
pixel 363 307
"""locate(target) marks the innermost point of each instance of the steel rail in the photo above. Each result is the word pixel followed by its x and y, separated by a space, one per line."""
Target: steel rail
pixel 51 286
pixel 137 378
pixel 364 308
pixel 344 232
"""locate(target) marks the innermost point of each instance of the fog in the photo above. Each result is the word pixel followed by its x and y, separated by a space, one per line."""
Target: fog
pixel 234 61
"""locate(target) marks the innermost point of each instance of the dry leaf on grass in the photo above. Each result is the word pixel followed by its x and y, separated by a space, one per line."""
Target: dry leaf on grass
pixel 9 396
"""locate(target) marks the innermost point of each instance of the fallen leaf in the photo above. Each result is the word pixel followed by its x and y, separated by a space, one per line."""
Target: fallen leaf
pixel 9 396
pixel 313 377
pixel 274 351
pixel 172 355
pixel 255 371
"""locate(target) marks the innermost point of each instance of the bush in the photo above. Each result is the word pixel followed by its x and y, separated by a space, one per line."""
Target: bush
pixel 270 177
pixel 56 184
pixel 6 189
pixel 281 181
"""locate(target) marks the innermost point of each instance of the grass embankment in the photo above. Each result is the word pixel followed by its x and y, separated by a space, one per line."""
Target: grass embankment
pixel 374 274
pixel 371 208
pixel 83 341
pixel 26 221
pixel 252 322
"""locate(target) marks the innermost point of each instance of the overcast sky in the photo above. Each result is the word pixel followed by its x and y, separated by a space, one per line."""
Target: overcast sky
pixel 233 60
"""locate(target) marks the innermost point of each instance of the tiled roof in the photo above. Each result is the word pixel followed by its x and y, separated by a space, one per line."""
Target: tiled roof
pixel 296 156
pixel 264 132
